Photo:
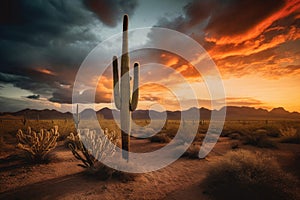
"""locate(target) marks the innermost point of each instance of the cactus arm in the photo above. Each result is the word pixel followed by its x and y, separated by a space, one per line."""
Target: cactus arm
pixel 135 94
pixel 116 83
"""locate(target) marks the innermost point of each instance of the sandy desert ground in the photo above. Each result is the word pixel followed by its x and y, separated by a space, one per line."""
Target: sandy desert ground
pixel 63 179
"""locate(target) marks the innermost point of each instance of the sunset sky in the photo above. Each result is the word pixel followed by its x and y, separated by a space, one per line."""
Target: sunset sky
pixel 255 44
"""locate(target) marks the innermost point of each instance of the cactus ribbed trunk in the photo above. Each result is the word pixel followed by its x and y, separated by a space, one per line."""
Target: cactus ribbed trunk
pixel 125 92
pixel 122 92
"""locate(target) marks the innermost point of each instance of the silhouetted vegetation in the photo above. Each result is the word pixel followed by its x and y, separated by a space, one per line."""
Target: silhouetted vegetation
pixel 246 175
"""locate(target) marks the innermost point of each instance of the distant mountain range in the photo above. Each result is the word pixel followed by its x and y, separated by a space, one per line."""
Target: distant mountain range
pixel 232 113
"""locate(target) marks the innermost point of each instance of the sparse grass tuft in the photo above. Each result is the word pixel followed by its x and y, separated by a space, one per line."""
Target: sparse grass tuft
pixel 290 135
pixel 272 131
pixel 234 136
pixel 246 175
pixel 2 143
pixel 160 138
pixel 259 140
pixel 290 139
pixel 192 152
pixel 234 145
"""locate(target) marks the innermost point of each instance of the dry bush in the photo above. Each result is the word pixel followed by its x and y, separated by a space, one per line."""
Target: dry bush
pixel 38 145
pixel 236 128
pixel 192 152
pixel 290 135
pixel 290 139
pixel 2 143
pixel 91 146
pixel 160 138
pixel 104 172
pixel 272 131
pixel 246 175
pixel 234 136
pixel 259 140
pixel 296 164
pixel 234 145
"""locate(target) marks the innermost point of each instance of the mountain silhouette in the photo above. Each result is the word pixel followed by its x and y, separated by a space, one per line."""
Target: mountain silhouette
pixel 232 113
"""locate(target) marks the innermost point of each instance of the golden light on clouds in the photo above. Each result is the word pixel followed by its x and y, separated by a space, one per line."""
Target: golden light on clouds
pixel 290 7
pixel 45 71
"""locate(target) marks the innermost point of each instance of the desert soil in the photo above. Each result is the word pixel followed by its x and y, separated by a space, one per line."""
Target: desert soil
pixel 63 179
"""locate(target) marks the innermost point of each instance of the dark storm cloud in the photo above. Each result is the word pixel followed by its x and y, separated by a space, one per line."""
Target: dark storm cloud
pixel 223 17
pixel 236 17
pixel 34 96
pixel 47 33
pixel 65 96
pixel 62 96
pixel 110 11
pixel 43 42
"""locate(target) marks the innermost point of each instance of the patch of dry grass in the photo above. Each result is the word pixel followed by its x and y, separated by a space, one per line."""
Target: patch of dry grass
pixel 246 175
pixel 259 140
pixel 160 138
pixel 192 152
pixel 290 135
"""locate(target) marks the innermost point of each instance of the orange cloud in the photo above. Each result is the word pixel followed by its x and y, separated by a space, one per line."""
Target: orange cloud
pixel 290 7
pixel 243 101
pixel 173 61
pixel 45 71
pixel 254 46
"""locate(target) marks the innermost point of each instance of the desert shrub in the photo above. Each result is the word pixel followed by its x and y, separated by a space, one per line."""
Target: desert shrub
pixel 234 136
pixel 290 139
pixel 234 145
pixel 104 172
pixel 225 132
pixel 192 152
pixel 259 140
pixel 290 135
pixel 199 137
pixel 246 175
pixel 38 145
pixel 89 146
pixel 228 131
pixel 272 131
pixel 288 131
pixel 160 138
pixel 296 164
pixel 2 143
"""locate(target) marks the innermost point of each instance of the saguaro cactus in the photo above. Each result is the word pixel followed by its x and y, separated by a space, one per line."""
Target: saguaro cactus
pixel 122 92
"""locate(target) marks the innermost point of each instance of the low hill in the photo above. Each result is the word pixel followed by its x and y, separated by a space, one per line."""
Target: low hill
pixel 232 113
